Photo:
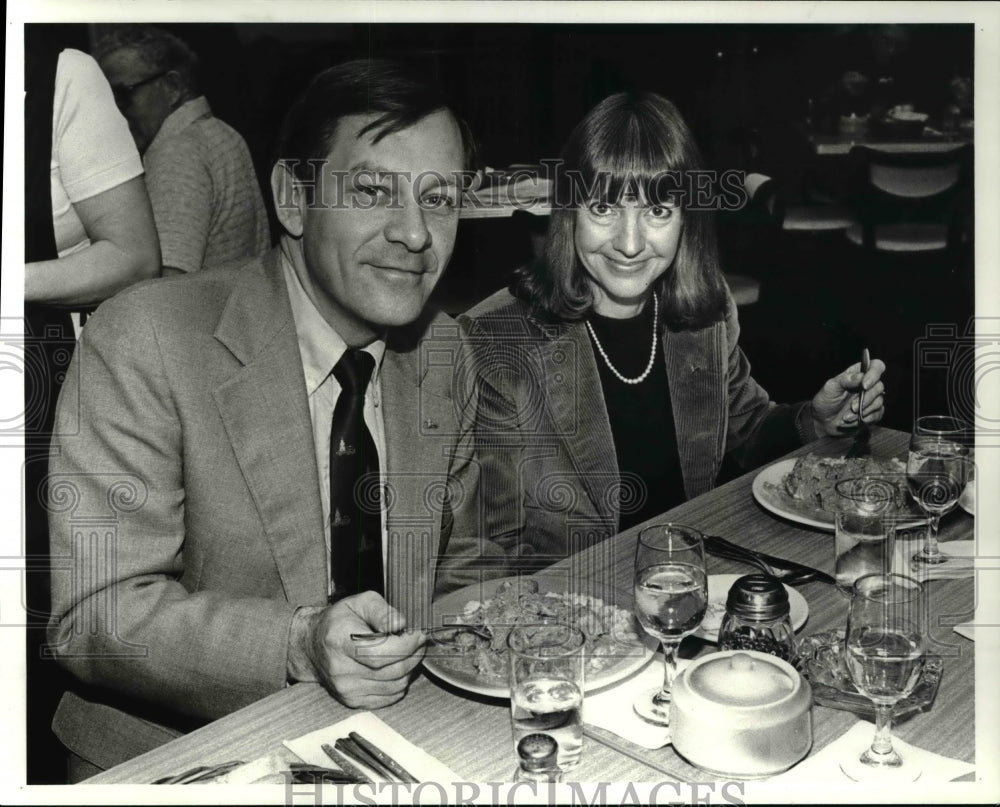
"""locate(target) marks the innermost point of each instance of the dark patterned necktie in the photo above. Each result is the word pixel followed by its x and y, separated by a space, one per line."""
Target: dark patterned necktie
pixel 355 514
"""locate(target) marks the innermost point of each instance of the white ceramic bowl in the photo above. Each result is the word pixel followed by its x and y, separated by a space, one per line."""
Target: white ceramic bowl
pixel 741 714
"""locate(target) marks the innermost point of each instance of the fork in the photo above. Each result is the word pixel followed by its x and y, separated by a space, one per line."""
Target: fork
pixel 860 447
pixel 481 632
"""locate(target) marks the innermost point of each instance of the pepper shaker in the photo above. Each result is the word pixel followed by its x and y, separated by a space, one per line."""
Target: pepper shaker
pixel 758 618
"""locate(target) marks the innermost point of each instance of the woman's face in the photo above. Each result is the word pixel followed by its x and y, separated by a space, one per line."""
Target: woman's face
pixel 625 247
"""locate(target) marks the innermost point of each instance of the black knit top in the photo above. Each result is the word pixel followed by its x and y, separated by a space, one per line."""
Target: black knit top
pixel 642 421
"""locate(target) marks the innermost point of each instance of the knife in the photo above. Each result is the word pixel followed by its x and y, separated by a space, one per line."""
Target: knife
pixel 716 545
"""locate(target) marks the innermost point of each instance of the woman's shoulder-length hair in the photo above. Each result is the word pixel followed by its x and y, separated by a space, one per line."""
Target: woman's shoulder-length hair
pixel 636 143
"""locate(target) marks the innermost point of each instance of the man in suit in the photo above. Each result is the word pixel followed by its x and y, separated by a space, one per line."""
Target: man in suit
pixel 202 566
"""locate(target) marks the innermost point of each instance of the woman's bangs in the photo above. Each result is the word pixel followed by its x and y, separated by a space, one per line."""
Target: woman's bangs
pixel 633 162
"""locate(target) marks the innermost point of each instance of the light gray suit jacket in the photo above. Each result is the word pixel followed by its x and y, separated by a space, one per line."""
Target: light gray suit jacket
pixel 186 519
pixel 547 454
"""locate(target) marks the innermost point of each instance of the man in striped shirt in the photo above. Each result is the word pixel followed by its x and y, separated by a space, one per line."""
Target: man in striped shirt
pixel 201 180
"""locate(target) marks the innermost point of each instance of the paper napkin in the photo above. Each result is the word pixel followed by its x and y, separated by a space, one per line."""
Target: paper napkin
pixel 825 765
pixel 417 761
pixel 961 561
pixel 966 629
pixel 611 707
pixel 269 769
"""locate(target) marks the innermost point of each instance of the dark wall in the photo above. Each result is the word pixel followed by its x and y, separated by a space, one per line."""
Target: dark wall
pixel 523 87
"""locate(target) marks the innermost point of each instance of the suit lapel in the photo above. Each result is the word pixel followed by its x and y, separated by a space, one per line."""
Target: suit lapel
pixel 419 424
pixel 695 375
pixel 575 401
pixel 266 416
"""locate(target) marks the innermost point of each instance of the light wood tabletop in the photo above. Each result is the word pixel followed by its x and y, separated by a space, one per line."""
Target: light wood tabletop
pixel 471 734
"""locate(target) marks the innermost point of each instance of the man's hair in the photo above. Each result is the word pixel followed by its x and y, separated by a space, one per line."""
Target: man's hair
pixel 160 49
pixel 360 87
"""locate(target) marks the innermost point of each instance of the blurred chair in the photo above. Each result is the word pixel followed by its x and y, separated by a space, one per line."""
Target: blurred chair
pixel 911 202
pixel 817 218
pixel 742 240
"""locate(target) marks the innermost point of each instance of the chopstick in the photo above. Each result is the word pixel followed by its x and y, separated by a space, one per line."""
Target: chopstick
pixel 397 770
pixel 200 773
pixel 304 773
pixel 349 748
pixel 346 765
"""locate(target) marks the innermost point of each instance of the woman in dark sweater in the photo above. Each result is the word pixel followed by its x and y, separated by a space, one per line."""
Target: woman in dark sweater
pixel 611 380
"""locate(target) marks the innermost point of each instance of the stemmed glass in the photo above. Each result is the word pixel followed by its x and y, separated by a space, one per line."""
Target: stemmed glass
pixel 936 472
pixel 886 643
pixel 671 596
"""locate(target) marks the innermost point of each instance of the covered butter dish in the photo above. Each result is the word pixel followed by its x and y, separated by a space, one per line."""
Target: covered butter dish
pixel 741 714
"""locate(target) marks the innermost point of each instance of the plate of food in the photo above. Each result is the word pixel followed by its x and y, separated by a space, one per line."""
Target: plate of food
pixel 718 590
pixel 802 489
pixel 616 645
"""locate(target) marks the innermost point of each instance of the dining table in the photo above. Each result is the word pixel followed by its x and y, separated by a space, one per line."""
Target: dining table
pixel 471 733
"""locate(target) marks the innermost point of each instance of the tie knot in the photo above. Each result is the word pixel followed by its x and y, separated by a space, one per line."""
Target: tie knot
pixel 354 370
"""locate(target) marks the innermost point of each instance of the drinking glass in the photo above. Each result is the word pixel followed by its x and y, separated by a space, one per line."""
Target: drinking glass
pixel 671 595
pixel 936 472
pixel 886 643
pixel 864 528
pixel 546 665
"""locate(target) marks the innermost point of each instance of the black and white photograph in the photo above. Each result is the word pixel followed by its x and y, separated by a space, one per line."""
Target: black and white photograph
pixel 479 403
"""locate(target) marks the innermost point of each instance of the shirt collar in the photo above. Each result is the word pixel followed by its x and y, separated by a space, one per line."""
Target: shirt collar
pixel 182 117
pixel 319 344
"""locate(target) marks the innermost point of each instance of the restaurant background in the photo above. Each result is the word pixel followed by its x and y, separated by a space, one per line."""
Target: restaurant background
pixel 752 94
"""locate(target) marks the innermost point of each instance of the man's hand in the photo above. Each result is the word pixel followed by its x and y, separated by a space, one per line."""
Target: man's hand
pixel 835 406
pixel 360 674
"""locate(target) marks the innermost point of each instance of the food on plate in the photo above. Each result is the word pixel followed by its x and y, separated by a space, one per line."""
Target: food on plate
pixel 713 615
pixel 813 478
pixel 610 631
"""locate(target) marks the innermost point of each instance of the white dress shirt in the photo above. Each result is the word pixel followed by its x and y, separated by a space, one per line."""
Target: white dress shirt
pixel 321 348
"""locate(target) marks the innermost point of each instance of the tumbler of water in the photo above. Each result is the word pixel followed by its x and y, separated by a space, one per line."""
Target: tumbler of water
pixel 546 661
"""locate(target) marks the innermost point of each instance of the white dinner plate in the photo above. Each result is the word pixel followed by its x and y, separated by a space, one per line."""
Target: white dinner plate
pixel 452 605
pixel 768 490
pixel 718 589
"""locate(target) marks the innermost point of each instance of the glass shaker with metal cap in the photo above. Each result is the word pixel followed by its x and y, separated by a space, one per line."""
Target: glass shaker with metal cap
pixel 757 618
pixel 537 757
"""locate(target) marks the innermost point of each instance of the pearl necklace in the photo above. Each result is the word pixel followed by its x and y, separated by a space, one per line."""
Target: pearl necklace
pixel 652 351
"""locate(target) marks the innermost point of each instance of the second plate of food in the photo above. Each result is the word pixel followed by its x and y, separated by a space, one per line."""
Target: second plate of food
pixel 802 490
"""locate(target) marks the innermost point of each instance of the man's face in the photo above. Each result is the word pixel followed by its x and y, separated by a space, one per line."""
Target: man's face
pixel 142 93
pixel 378 238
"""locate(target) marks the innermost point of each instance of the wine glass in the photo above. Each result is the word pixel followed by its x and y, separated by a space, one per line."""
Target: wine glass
pixel 671 596
pixel 936 472
pixel 886 644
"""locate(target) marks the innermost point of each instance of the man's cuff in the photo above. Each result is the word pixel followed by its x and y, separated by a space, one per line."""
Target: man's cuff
pixel 299 666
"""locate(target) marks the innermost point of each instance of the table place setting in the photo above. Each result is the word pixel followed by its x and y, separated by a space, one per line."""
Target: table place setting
pixel 960 560
pixel 611 708
pixel 360 750
pixel 825 765
pixel 569 661
pixel 405 760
